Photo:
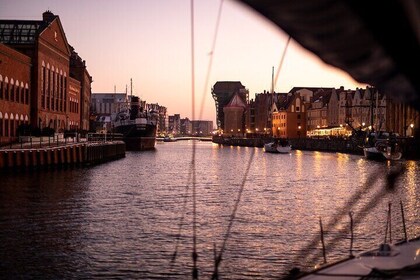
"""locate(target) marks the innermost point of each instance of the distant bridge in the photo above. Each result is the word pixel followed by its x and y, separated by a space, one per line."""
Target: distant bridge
pixel 174 139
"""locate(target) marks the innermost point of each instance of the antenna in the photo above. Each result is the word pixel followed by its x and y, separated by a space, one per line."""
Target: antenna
pixel 131 87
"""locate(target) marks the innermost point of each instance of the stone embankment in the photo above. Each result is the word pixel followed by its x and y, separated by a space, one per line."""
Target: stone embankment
pixel 59 154
pixel 410 146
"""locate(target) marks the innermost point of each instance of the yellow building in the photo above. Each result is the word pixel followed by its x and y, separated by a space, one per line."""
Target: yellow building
pixel 289 117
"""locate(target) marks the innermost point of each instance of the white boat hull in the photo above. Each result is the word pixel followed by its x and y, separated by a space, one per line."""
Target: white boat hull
pixel 277 148
pixel 373 153
pixel 386 259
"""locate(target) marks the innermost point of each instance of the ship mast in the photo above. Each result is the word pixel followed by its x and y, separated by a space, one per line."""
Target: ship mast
pixel 272 80
pixel 131 87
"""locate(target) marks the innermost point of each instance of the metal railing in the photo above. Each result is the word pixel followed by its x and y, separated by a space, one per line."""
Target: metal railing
pixel 34 142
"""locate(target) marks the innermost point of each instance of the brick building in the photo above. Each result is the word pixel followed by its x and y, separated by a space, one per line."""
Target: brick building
pixel 223 92
pixel 59 83
pixel 234 114
pixel 15 81
pixel 289 119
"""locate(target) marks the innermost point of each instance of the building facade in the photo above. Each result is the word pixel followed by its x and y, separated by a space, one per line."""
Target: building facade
pixel 162 118
pixel 174 124
pixel 234 114
pixel 223 92
pixel 51 104
pixel 289 120
pixel 15 92
pixel 202 128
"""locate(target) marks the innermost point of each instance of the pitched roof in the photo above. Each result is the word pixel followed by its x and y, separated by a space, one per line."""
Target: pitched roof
pixel 236 102
pixel 26 32
pixel 322 96
pixel 284 100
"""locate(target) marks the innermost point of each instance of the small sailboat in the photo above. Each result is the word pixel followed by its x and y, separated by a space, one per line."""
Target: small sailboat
pixel 382 147
pixel 281 146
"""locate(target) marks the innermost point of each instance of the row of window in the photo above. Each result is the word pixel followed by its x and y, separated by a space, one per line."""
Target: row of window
pixel 74 106
pixel 14 91
pixel 58 125
pixel 53 89
pixel 9 126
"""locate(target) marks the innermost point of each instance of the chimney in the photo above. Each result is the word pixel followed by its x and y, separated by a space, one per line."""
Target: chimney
pixel 48 16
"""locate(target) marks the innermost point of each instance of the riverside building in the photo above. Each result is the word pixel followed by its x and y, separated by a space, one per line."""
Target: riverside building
pixel 54 80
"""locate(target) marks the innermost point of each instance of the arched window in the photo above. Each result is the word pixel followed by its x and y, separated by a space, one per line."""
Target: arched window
pixel 22 93
pixel 47 87
pixel 12 125
pixel 12 90
pixel 27 94
pixel 43 85
pixel 1 124
pixel 6 125
pixel 17 91
pixel 1 87
pixel 6 89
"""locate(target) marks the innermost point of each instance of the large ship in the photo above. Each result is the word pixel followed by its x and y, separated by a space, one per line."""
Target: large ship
pixel 137 125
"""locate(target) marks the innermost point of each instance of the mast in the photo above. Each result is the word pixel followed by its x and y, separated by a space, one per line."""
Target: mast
pixel 272 80
pixel 376 113
pixel 270 112
pixel 131 87
pixel 371 107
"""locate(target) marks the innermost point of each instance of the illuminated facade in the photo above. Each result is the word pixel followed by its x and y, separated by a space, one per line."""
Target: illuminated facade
pixel 289 120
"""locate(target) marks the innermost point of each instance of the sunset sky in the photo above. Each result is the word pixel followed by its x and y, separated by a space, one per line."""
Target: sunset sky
pixel 149 41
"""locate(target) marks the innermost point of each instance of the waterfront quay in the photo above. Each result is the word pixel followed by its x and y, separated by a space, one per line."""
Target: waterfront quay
pixel 410 146
pixel 44 152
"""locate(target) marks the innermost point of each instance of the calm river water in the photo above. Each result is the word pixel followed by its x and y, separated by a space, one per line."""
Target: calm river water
pixel 122 219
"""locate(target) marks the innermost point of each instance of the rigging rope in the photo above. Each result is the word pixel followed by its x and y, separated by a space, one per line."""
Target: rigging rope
pixel 281 62
pixel 192 172
pixel 181 222
pixel 194 191
pixel 211 54
pixel 218 259
pixel 391 178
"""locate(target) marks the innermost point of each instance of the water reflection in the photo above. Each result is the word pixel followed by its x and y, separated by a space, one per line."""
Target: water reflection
pixel 121 219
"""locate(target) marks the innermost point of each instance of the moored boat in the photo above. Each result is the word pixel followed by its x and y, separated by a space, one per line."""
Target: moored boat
pixel 281 146
pixel 388 261
pixel 382 148
pixel 138 126
pixel 373 153
pixel 169 139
